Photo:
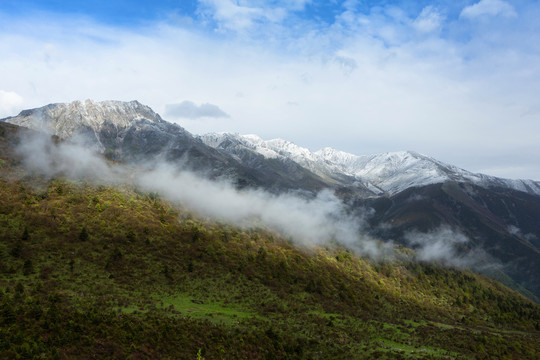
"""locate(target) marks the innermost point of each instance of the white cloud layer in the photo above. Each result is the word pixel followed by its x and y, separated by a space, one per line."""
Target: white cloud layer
pixel 450 247
pixel 489 8
pixel 10 103
pixel 429 20
pixel 373 80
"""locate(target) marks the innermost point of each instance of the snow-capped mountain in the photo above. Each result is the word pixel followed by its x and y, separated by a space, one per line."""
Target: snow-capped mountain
pixel 388 173
pixel 247 148
pixel 125 128
pixel 396 171
pixel 134 133
pixel 64 120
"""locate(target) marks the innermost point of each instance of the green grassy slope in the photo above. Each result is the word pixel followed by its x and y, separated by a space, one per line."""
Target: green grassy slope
pixel 92 271
pixel 96 271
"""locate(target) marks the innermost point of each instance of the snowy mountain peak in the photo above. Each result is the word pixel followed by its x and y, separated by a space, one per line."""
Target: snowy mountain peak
pixel 275 148
pixel 331 153
pixel 65 119
pixel 389 173
pixel 256 139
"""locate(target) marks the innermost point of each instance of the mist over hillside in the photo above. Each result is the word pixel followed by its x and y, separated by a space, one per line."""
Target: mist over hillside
pixel 369 204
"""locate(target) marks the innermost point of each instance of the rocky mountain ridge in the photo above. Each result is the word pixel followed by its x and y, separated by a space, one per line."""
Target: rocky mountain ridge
pixel 134 133
pixel 387 173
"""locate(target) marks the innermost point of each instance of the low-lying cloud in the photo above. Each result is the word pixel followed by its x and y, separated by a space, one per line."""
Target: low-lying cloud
pixel 40 154
pixel 308 221
pixel 450 247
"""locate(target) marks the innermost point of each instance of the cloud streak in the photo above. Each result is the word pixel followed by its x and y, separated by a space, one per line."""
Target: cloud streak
pixel 308 221
pixel 245 15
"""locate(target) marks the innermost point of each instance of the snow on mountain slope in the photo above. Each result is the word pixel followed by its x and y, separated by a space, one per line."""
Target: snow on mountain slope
pixel 108 123
pixel 381 173
pixel 234 142
pixel 279 149
pixel 64 120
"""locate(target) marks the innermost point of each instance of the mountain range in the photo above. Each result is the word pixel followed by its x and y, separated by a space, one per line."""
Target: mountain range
pixel 402 196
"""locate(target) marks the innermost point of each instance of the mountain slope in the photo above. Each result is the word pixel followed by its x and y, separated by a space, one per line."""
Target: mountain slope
pixel 414 194
pixel 500 229
pixel 92 271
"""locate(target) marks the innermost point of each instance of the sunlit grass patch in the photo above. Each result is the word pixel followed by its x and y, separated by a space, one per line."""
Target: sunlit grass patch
pixel 185 305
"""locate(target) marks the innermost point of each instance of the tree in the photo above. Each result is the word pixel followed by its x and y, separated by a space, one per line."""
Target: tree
pixel 25 236
pixel 28 267
pixel 83 236
pixel 16 250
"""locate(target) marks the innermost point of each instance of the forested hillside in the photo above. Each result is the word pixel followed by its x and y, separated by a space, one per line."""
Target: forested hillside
pixel 96 271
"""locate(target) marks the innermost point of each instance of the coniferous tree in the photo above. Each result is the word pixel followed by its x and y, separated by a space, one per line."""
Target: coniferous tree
pixel 28 267
pixel 83 236
pixel 25 236
pixel 16 250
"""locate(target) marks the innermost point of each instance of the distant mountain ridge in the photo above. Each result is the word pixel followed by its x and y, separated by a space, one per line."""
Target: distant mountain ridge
pixel 114 125
pixel 388 173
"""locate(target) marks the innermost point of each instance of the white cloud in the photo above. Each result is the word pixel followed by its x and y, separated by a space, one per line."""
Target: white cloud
pixel 441 244
pixel 489 8
pixel 243 15
pixel 10 103
pixel 188 109
pixel 450 247
pixel 428 21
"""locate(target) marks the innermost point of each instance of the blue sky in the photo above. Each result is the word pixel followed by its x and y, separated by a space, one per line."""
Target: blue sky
pixel 455 80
